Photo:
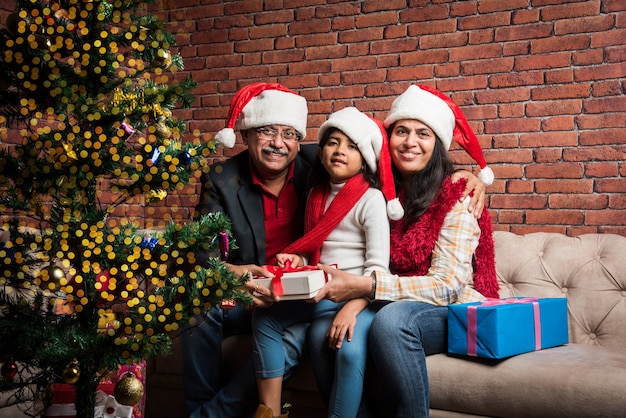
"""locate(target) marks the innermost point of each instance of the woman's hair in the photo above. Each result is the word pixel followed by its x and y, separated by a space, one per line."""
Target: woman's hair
pixel 319 175
pixel 425 184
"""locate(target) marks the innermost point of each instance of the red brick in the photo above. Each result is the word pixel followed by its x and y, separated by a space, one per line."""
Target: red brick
pixel 552 108
pixel 490 20
pixel 500 126
pixel 509 217
pixel 515 79
pixel 369 6
pixel 448 70
pixel 477 82
pixel 424 14
pixel 518 201
pixel 607 104
pixel 431 27
pixel 588 57
pixel 391 46
pixel 606 136
pixel 605 217
pixel 361 35
pixel 503 96
pixel 616 185
pixel 584 25
pixel 554 217
pixel 513 110
pixel 481 36
pixel 522 16
pixel 569 10
pixel 608 38
pixel 375 19
pixel 543 61
pixel 520 186
pixel 492 66
pixel 443 40
pixel 559 76
pixel 608 169
pixel 475 52
pixel 556 170
pixel 423 57
pixel 564 186
pixel 603 120
pixel 578 201
pixel 334 10
pixel 603 72
pixel 352 64
pixel 558 123
pixel 519 32
pixel 267 31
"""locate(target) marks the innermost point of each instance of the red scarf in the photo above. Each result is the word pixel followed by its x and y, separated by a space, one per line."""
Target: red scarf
pixel 319 224
pixel 413 245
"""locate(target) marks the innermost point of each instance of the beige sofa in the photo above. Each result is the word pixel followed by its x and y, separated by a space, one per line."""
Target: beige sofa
pixel 586 378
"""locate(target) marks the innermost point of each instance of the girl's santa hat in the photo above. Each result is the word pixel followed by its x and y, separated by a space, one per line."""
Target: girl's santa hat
pixel 371 137
pixel 262 104
pixel 444 117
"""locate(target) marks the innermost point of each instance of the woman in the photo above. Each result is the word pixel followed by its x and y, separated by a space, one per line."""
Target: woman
pixel 441 254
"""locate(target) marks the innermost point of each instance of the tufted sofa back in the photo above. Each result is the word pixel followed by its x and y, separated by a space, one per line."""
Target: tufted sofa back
pixel 590 270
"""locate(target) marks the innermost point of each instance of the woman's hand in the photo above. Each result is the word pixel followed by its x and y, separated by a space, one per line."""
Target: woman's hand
pixel 343 286
pixel 294 259
pixel 344 323
pixel 475 189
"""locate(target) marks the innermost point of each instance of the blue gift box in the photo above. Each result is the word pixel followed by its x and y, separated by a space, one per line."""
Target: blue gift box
pixel 502 328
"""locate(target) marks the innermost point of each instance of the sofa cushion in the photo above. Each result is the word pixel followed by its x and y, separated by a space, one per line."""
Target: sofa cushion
pixel 575 380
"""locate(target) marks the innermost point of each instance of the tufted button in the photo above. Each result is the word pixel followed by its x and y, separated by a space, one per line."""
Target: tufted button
pixel 624 293
pixel 510 286
pixel 540 254
pixel 564 289
pixel 592 336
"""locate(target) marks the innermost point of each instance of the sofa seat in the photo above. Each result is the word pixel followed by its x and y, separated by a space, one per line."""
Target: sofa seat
pixel 575 380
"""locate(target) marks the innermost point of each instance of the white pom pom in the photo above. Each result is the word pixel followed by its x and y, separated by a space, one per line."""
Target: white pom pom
pixel 395 210
pixel 486 176
pixel 226 137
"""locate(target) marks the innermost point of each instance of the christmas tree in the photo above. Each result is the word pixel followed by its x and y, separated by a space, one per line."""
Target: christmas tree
pixel 90 85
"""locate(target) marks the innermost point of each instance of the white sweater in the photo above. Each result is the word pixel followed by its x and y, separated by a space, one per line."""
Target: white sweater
pixel 360 243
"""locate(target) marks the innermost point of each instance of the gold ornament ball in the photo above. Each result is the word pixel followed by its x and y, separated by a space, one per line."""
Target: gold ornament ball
pixel 163 59
pixel 129 390
pixel 71 374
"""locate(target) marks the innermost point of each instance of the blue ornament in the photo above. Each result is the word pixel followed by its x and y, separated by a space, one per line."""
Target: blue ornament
pixel 155 155
pixel 149 242
pixel 184 158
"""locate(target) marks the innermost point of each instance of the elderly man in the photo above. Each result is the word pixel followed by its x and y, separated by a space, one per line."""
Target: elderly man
pixel 262 190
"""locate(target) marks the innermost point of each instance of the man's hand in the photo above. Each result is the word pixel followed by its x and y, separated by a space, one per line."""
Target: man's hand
pixel 475 189
pixel 343 286
pixel 262 297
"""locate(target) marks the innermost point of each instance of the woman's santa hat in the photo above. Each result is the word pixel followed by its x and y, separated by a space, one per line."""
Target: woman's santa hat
pixel 371 138
pixel 444 117
pixel 262 104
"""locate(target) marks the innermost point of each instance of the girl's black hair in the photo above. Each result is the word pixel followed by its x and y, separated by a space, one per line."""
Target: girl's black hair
pixel 319 175
pixel 424 185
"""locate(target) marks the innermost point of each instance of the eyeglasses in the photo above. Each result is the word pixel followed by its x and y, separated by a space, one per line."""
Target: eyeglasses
pixel 271 134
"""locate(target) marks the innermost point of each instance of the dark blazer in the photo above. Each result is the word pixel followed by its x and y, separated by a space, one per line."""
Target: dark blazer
pixel 228 188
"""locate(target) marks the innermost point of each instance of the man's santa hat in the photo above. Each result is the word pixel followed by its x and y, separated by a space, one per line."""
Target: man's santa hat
pixel 262 104
pixel 444 117
pixel 371 137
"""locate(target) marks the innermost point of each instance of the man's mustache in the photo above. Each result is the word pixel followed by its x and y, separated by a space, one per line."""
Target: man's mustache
pixel 272 150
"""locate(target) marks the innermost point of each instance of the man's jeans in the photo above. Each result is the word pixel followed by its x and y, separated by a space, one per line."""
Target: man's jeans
pixel 208 391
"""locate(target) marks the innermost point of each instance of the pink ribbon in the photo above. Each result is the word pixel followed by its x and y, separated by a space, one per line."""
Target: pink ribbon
pixel 472 324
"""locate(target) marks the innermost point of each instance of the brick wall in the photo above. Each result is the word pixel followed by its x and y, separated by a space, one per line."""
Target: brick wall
pixel 541 81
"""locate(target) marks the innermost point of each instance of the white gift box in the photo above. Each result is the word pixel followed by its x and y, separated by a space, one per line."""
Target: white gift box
pixel 297 284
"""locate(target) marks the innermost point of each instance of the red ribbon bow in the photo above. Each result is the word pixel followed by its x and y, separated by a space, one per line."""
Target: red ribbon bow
pixel 277 280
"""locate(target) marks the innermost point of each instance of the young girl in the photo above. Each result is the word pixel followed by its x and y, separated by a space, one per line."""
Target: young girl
pixel 346 224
